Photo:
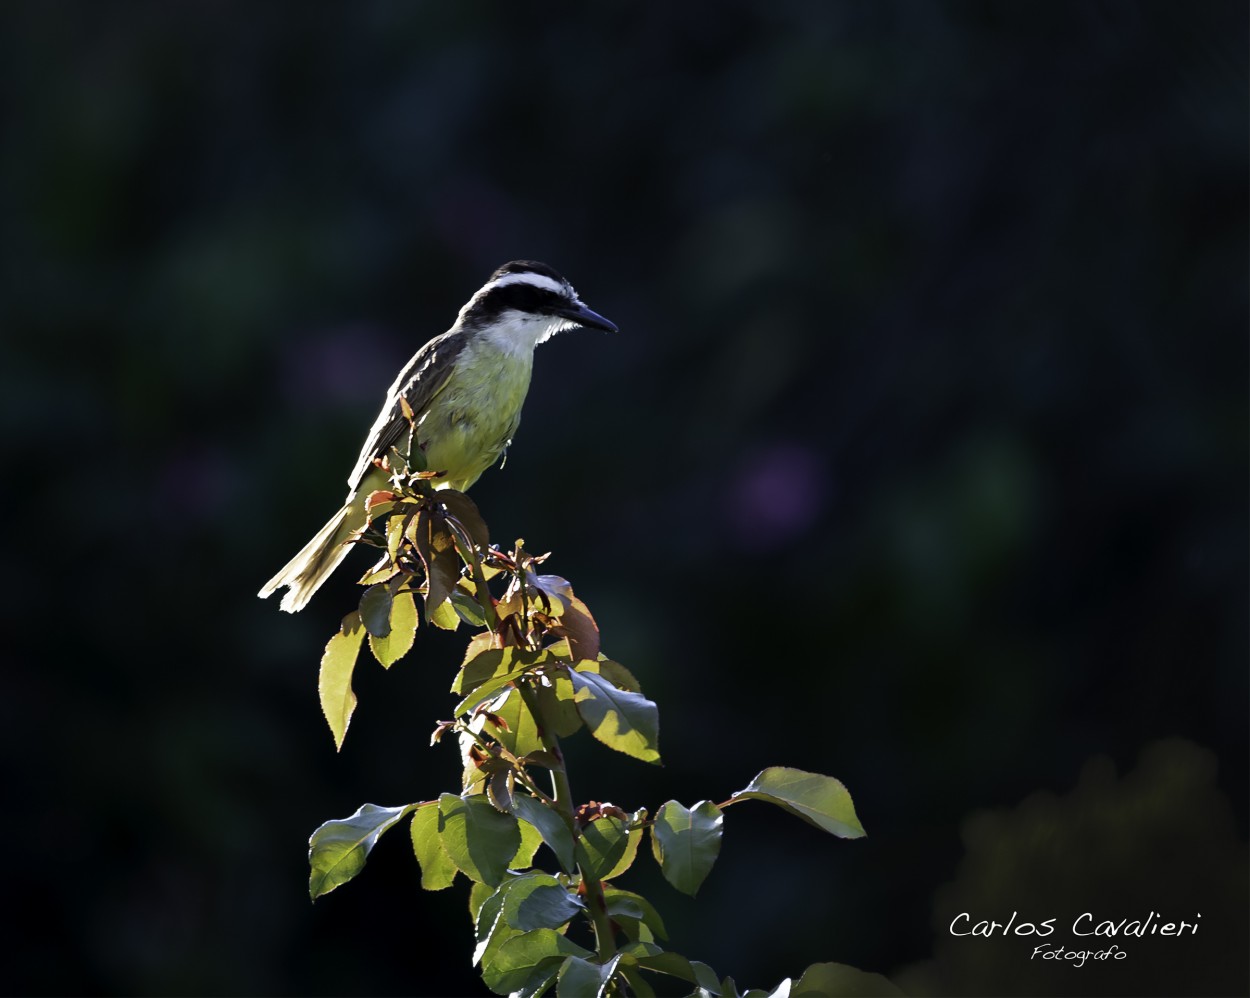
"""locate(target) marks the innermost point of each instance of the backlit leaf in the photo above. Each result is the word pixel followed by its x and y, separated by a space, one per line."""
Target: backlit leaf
pixel 581 978
pixel 467 608
pixel 465 510
pixel 686 843
pixel 480 840
pixel 625 905
pixel 651 957
pixel 627 722
pixel 524 955
pixel 437 869
pixel 444 616
pixel 555 832
pixel 817 799
pixel 403 632
pixel 375 610
pixel 520 736
pixel 334 683
pixel 531 839
pixel 604 845
pixel 338 849
pixel 580 628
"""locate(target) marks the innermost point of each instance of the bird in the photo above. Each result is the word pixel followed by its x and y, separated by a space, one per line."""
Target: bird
pixel 463 392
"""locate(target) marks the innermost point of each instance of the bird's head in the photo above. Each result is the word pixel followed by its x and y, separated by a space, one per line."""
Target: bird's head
pixel 526 303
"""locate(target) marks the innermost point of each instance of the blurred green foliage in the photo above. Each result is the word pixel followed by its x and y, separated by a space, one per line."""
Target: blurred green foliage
pixel 948 300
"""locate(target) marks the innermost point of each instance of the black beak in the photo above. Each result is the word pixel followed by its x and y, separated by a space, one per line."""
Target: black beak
pixel 583 316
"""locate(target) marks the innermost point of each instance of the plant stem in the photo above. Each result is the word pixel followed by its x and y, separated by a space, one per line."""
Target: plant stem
pixel 605 941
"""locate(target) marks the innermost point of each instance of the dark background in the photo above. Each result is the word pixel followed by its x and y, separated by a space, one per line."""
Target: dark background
pixel 919 460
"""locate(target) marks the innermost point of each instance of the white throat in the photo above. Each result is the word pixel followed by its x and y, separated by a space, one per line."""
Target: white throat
pixel 519 332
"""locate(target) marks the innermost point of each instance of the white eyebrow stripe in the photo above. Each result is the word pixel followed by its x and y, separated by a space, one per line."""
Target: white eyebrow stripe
pixel 534 280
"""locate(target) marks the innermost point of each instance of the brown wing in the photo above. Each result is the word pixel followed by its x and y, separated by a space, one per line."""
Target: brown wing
pixel 419 382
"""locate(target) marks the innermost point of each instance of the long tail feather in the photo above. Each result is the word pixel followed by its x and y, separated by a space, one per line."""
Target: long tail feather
pixel 304 574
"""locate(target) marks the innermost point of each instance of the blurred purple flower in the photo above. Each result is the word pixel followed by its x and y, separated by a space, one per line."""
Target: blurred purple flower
pixel 777 495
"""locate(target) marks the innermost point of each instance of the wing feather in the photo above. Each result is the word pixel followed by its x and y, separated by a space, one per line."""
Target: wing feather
pixel 421 379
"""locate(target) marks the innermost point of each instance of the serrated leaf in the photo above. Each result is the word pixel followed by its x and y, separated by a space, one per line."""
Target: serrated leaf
pixel 627 722
pixel 467 608
pixel 519 732
pixel 618 675
pixel 444 616
pixel 403 631
pixel 605 849
pixel 481 661
pixel 581 978
pixel 434 543
pixel 465 510
pixel 499 791
pixel 437 869
pixel 838 979
pixel 524 955
pixel 530 841
pixel 499 915
pixel 555 833
pixel 686 843
pixel 375 610
pixel 624 905
pixel 817 799
pixel 334 683
pixel 478 893
pixel 558 704
pixel 547 906
pixel 492 686
pixel 338 849
pixel 577 624
pixel 480 840
pixel 396 528
pixel 651 957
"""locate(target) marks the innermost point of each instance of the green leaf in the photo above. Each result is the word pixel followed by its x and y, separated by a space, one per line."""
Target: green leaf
pixel 465 510
pixel 502 915
pixel 686 843
pixel 619 676
pixel 403 631
pixel 558 705
pixel 437 869
pixel 820 800
pixel 549 824
pixel 626 906
pixel 633 977
pixel 334 684
pixel 521 956
pixel 607 847
pixel 396 528
pixel 478 894
pixel 434 543
pixel 547 906
pixel 531 839
pixel 338 849
pixel 444 616
pixel 627 722
pixel 479 840
pixel 375 610
pixel 521 736
pixel 584 978
pixel 651 957
pixel 467 608
pixel 489 688
pixel 838 979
